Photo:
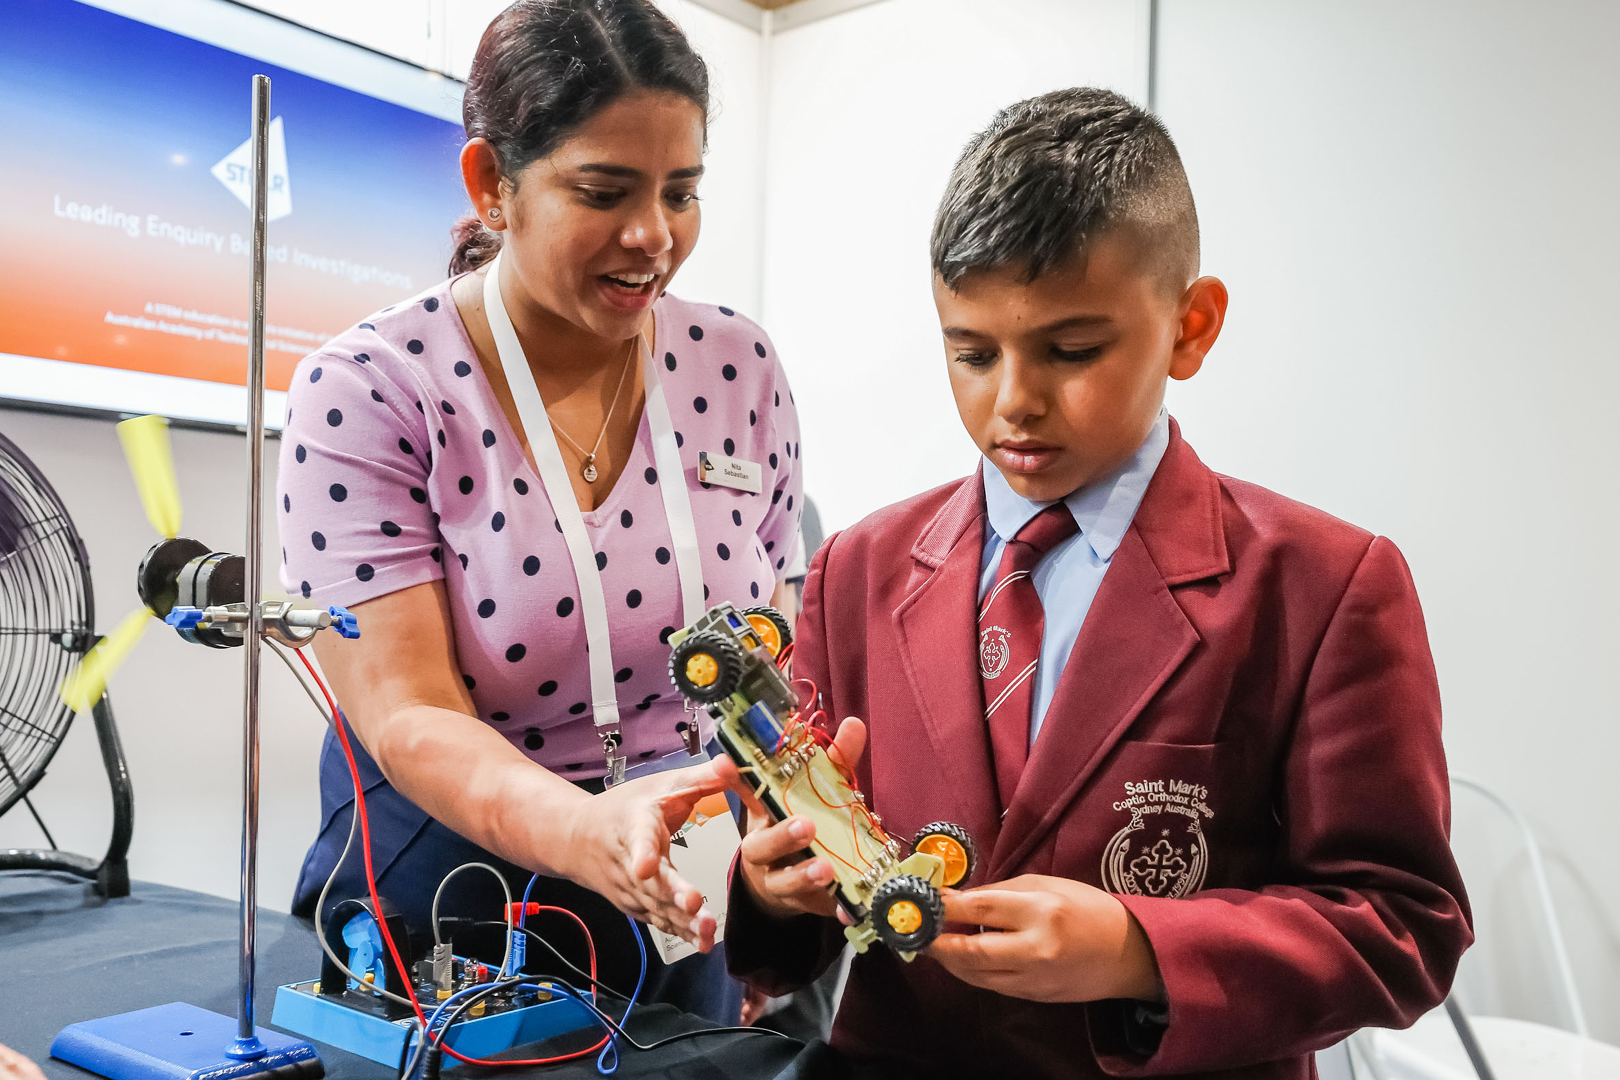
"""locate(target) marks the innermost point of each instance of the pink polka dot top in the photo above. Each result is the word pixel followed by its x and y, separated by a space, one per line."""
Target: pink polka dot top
pixel 398 467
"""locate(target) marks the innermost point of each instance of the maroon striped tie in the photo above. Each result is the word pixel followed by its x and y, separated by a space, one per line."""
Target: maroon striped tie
pixel 1010 625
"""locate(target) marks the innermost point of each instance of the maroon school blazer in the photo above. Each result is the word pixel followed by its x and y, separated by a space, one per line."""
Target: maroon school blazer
pixel 1244 747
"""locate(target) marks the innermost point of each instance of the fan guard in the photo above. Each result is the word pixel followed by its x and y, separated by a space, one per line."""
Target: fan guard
pixel 47 620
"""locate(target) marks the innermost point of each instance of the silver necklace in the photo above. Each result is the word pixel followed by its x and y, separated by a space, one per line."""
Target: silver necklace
pixel 587 468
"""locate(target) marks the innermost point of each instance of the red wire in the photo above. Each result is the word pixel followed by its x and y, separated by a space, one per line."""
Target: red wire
pixel 376 903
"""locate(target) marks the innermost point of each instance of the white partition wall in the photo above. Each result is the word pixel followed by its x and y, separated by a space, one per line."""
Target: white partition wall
pixel 1413 205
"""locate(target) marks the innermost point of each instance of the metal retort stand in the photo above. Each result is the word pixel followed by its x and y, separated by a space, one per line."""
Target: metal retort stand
pixel 178 1041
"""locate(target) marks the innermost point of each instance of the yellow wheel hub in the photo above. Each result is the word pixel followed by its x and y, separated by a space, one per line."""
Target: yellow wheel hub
pixel 702 670
pixel 951 852
pixel 768 633
pixel 904 917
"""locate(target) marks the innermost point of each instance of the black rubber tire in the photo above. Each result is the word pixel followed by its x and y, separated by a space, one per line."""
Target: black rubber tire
pixel 957 833
pixel 903 887
pixel 777 619
pixel 726 655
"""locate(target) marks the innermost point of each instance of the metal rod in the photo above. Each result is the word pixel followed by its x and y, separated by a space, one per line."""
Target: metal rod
pixel 1465 1033
pixel 1549 910
pixel 253 587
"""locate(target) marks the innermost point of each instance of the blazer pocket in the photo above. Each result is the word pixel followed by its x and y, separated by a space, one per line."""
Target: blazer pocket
pixel 1144 825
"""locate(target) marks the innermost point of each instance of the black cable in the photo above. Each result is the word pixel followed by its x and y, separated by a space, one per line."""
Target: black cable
pixel 560 957
pixel 467 1003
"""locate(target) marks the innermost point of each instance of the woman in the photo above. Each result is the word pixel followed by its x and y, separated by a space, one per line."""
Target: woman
pixel 453 466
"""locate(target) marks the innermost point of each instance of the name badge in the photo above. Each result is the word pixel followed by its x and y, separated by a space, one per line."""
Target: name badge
pixel 702 851
pixel 729 472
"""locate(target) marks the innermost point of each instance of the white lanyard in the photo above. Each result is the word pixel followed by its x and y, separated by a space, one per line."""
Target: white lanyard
pixel 548 459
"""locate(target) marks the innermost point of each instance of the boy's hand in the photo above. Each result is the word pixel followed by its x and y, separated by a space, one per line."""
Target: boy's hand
pixel 1048 939
pixel 779 878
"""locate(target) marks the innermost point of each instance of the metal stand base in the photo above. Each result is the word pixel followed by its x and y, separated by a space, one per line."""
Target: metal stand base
pixel 181 1042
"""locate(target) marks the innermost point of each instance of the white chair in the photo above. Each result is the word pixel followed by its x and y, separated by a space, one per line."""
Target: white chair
pixel 1446 1044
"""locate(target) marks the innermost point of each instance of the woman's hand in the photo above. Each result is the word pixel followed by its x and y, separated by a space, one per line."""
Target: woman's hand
pixel 617 844
pixel 778 876
pixel 13 1066
pixel 1048 939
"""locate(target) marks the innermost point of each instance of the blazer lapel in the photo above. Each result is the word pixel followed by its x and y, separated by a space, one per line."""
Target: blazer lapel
pixel 935 628
pixel 1134 637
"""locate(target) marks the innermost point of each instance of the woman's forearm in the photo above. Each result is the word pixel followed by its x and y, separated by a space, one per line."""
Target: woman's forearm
pixel 468 776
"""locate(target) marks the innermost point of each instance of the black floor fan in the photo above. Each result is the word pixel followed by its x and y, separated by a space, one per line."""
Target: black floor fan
pixel 47 624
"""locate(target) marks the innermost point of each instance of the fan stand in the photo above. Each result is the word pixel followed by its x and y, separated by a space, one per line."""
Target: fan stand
pixel 180 1041
pixel 111 874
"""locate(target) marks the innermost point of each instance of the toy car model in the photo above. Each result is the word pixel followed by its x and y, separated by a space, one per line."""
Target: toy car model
pixel 731 662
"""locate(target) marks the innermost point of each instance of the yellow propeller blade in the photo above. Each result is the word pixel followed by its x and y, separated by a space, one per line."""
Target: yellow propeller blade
pixel 151 462
pixel 85 684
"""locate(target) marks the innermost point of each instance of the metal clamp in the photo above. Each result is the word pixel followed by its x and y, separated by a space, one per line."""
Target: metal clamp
pixel 294 626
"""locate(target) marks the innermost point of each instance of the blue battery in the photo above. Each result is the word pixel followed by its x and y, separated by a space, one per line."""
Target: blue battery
pixel 763 726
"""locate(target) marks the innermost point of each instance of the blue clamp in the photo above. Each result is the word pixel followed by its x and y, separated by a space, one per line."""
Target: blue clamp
pixel 184 618
pixel 344 622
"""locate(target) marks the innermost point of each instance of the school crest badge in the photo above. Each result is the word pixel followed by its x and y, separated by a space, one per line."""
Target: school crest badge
pixel 1162 852
pixel 995 649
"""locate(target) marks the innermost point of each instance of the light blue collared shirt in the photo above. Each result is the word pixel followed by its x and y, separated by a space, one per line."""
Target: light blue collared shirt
pixel 1068 577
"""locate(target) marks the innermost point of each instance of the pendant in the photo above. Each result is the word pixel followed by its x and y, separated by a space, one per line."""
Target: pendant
pixel 588 470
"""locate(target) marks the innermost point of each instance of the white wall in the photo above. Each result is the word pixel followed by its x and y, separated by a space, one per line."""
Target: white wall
pixel 868 112
pixel 1413 207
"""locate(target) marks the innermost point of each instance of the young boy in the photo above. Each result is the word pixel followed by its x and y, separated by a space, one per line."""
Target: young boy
pixel 1193 726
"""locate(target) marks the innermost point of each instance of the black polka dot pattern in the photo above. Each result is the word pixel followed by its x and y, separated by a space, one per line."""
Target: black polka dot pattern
pixel 286 503
pixel 469 680
pixel 374 458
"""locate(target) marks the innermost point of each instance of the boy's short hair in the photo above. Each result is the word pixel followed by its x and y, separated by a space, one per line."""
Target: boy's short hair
pixel 1051 174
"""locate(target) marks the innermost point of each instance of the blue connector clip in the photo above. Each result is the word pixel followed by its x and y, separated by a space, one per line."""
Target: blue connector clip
pixel 344 622
pixel 184 618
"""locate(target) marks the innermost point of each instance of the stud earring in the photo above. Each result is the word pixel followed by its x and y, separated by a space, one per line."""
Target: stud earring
pixel 494 213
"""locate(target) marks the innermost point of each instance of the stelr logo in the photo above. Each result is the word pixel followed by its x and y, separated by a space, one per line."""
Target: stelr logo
pixel 235 171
